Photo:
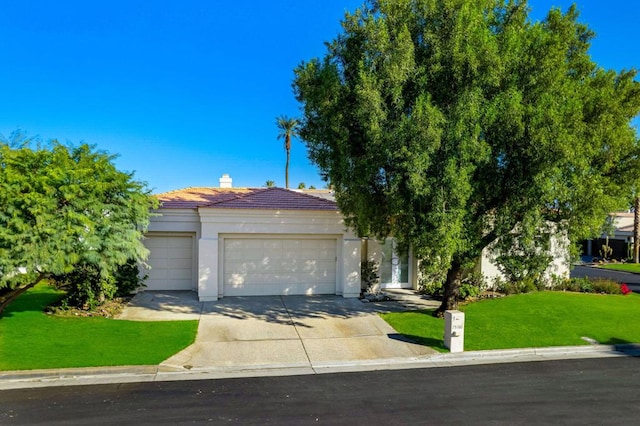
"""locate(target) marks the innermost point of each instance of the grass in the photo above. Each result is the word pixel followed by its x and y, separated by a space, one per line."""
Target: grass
pixel 625 267
pixel 531 320
pixel 31 339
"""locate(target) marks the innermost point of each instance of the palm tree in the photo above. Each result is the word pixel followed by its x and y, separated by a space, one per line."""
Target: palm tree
pixel 270 184
pixel 288 129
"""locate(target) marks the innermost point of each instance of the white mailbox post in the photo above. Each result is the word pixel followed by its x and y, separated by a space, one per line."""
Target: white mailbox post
pixel 454 330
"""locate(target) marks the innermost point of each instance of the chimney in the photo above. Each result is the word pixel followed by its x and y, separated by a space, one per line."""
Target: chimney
pixel 225 181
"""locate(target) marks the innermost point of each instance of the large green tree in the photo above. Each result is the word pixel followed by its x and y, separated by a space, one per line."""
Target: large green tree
pixel 62 208
pixel 449 124
pixel 288 129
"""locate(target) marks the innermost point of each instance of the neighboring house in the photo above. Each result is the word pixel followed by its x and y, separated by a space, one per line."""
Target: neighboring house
pixel 620 240
pixel 263 241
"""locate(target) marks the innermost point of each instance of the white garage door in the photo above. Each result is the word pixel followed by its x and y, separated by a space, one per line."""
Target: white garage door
pixel 260 267
pixel 171 260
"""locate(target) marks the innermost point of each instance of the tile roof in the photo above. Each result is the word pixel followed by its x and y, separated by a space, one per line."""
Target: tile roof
pixel 191 198
pixel 243 198
pixel 327 194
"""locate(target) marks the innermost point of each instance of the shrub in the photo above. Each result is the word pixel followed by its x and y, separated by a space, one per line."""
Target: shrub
pixel 587 285
pixel 472 285
pixel 370 277
pixel 527 285
pixel 605 286
pixel 524 257
pixel 87 288
pixel 128 279
pixel 555 282
pixel 432 288
pixel 431 278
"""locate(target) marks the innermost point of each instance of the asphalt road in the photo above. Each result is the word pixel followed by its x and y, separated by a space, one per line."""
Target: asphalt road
pixel 594 391
pixel 632 280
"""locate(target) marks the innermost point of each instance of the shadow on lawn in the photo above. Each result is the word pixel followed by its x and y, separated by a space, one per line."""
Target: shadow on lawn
pixel 436 344
pixel 31 302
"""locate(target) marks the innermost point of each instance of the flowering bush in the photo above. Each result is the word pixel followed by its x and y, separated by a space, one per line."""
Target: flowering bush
pixel 625 289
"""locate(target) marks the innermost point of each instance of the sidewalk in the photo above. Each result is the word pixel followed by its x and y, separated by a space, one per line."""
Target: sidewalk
pixel 138 374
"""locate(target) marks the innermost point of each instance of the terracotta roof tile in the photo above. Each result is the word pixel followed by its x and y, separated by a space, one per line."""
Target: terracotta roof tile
pixel 244 198
pixel 191 198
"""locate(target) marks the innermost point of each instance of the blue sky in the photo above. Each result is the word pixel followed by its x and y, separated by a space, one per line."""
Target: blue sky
pixel 184 91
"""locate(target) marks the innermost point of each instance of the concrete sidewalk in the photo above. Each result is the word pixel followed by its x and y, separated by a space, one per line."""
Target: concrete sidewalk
pixel 138 374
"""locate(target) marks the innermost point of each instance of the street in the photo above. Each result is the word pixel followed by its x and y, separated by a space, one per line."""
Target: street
pixel 592 391
pixel 632 280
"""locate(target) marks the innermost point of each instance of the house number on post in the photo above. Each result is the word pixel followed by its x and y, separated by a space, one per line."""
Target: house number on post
pixel 454 330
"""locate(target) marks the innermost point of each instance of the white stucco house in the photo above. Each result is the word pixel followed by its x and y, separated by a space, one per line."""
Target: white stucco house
pixel 251 241
pixel 227 241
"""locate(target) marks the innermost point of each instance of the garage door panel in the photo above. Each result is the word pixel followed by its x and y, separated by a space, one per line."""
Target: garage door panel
pixel 178 274
pixel 171 261
pixel 185 243
pixel 179 263
pixel 272 266
pixel 160 252
pixel 157 273
pixel 291 244
pixel 273 244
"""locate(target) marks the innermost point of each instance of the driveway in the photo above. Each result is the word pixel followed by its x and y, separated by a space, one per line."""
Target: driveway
pixel 278 331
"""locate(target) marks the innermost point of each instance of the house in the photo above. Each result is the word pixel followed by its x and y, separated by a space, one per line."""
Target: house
pixel 228 241
pixel 251 241
pixel 620 240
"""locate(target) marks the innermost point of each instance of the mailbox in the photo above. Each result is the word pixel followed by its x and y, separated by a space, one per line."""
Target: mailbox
pixel 454 330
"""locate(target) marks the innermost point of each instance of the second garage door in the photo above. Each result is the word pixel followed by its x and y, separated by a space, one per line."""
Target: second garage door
pixel 171 261
pixel 278 266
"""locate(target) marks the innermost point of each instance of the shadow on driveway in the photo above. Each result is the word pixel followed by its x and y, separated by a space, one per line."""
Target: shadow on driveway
pixel 177 305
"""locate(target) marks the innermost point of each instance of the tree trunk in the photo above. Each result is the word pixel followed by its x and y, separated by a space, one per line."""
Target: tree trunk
pixel 451 290
pixel 636 230
pixel 13 295
pixel 286 170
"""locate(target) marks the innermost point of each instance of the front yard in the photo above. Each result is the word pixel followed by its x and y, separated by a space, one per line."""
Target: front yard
pixel 531 320
pixel 31 339
pixel 624 267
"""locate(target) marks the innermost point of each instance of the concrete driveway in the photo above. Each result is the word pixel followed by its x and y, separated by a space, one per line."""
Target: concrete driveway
pixel 278 331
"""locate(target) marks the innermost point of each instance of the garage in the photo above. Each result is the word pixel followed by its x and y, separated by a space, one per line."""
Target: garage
pixel 279 266
pixel 171 261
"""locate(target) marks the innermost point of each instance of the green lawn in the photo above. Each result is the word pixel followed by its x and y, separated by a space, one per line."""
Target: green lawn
pixel 531 320
pixel 30 339
pixel 625 267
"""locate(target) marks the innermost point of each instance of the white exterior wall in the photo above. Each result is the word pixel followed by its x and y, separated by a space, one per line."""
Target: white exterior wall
pixel 175 220
pixel 559 266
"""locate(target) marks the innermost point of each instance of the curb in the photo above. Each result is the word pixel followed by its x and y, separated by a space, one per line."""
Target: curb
pixel 137 374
